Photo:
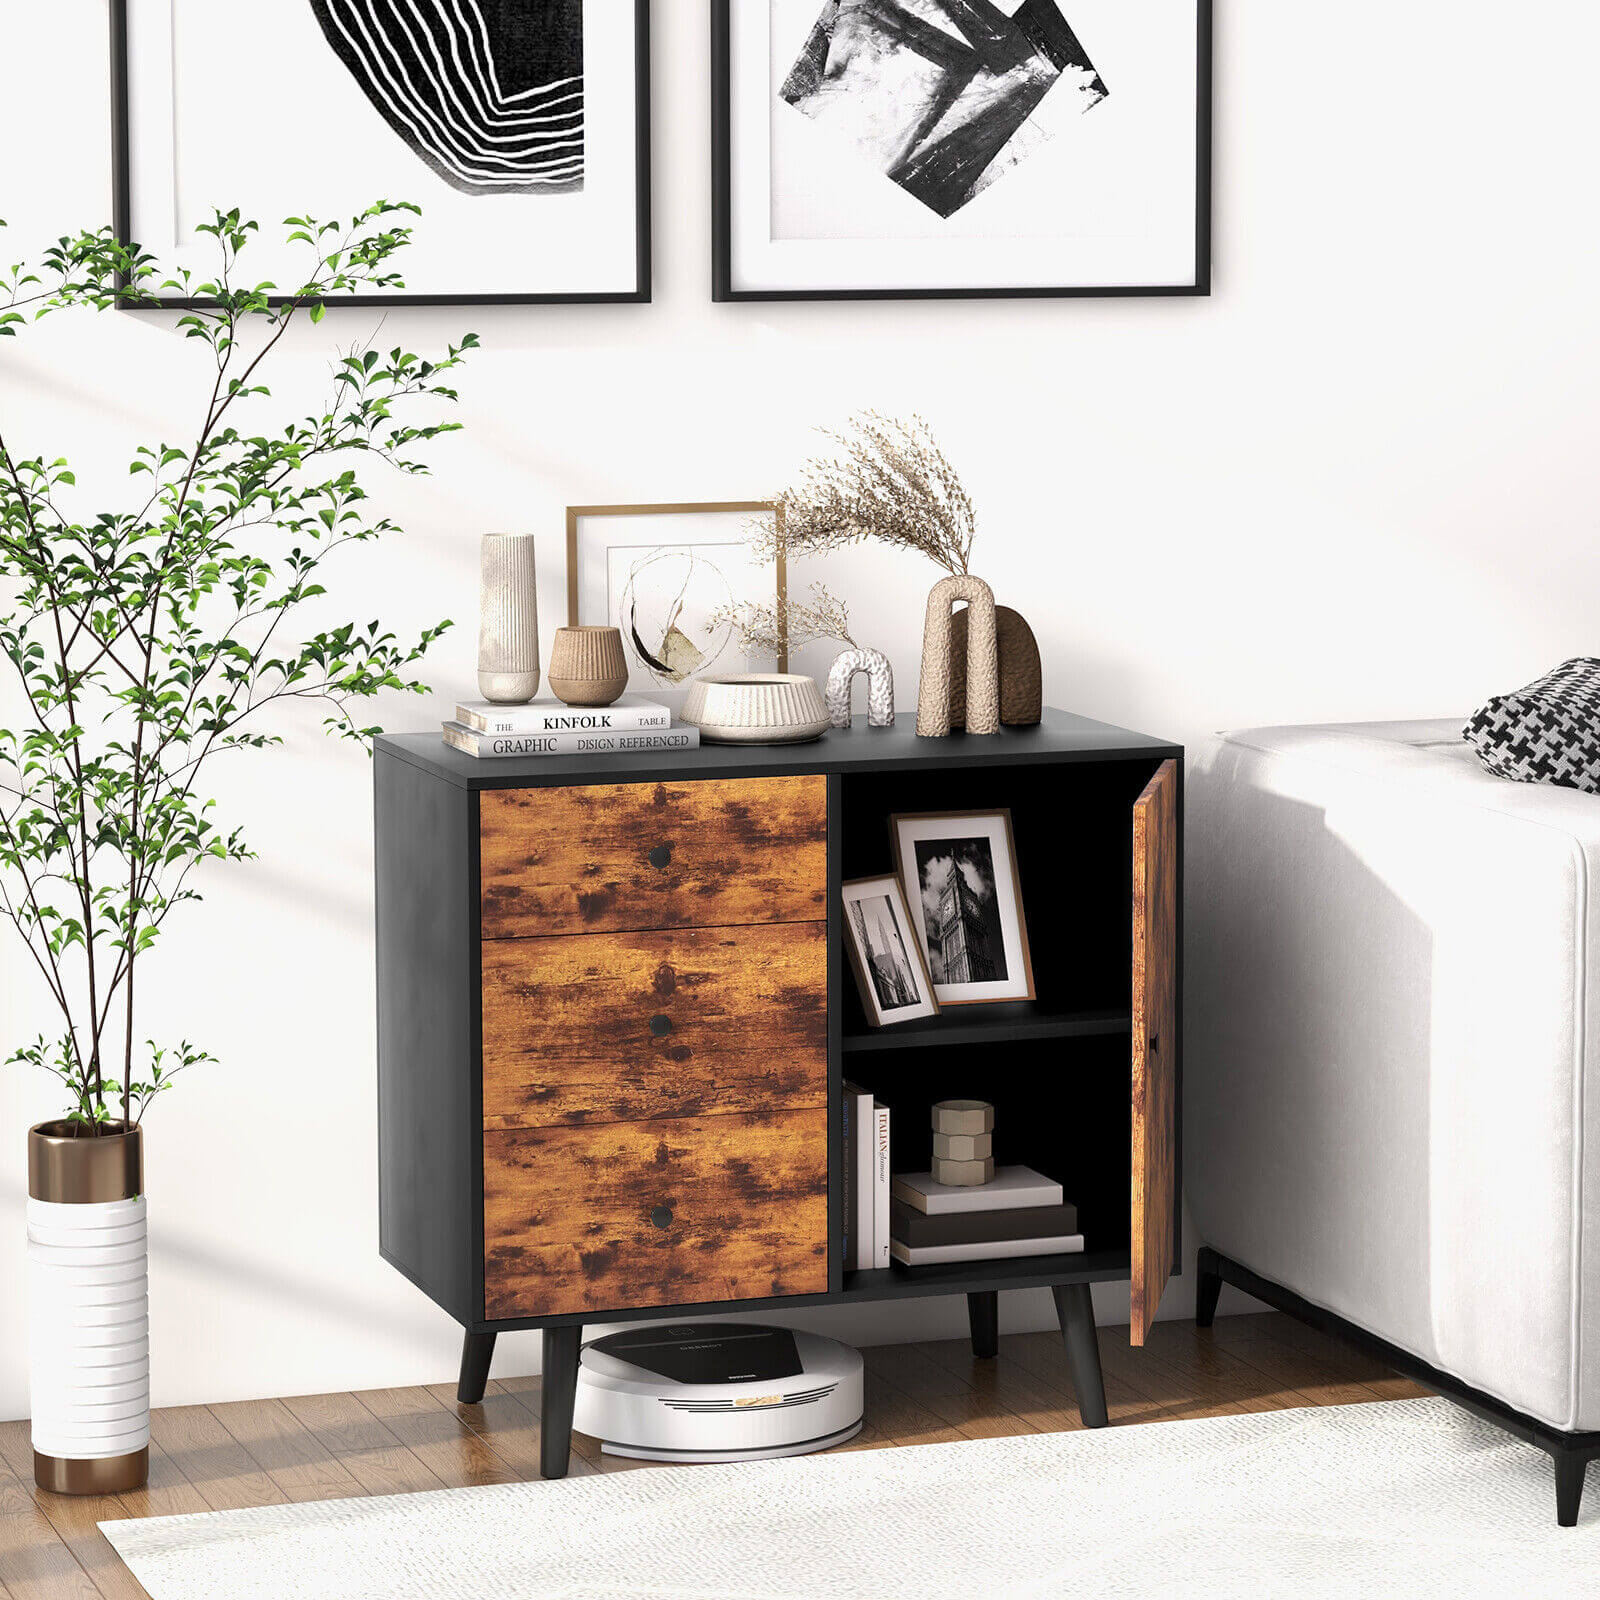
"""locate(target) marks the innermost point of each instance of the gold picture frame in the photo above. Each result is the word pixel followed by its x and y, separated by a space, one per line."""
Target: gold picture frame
pixel 684 508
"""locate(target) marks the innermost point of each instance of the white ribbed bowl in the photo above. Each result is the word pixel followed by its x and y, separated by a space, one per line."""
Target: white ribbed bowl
pixel 756 708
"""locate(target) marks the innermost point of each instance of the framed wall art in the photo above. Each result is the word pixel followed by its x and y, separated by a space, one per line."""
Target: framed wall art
pixel 885 955
pixel 668 577
pixel 522 131
pixel 959 869
pixel 878 149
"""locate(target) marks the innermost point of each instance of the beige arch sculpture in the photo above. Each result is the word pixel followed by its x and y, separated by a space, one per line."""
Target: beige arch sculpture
pixel 983 659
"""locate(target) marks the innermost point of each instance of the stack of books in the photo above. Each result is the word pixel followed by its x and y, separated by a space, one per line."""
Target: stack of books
pixel 1017 1213
pixel 866 1181
pixel 548 728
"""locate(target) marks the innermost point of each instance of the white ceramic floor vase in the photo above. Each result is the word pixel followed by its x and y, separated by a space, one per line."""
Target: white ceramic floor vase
pixel 88 1311
pixel 508 619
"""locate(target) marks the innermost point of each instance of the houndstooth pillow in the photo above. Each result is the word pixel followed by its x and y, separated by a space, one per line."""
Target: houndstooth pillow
pixel 1546 733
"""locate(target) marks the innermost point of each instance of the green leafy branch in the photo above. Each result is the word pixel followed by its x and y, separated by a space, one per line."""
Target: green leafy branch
pixel 147 641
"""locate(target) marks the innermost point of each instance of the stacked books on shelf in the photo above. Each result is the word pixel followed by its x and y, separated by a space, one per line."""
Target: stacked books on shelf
pixel 548 728
pixel 1016 1213
pixel 866 1181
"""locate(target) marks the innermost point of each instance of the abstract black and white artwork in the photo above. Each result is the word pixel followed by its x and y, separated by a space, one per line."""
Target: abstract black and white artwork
pixel 960 147
pixel 489 93
pixel 940 95
pixel 519 127
pixel 890 973
pixel 959 870
pixel 669 578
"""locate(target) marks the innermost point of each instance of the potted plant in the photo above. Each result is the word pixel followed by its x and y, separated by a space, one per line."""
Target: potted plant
pixel 144 642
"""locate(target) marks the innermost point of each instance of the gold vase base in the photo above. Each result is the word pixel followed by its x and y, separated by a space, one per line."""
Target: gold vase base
pixel 101 1475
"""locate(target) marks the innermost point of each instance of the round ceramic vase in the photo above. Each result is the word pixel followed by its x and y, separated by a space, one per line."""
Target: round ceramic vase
pixel 88 1310
pixel 756 708
pixel 587 666
pixel 508 619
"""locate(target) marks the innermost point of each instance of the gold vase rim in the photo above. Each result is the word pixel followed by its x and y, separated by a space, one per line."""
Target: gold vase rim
pixel 66 1167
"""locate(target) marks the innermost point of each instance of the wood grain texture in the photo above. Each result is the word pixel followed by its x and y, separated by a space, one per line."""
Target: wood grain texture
pixel 1155 1041
pixel 567 1213
pixel 626 1027
pixel 1244 1363
pixel 609 857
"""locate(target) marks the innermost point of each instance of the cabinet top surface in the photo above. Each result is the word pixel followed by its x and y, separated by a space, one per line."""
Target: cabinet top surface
pixel 1061 737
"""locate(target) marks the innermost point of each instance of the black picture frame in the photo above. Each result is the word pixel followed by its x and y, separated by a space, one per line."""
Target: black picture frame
pixel 640 294
pixel 723 288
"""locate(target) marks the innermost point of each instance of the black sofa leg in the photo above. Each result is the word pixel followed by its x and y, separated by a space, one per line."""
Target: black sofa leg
pixel 477 1351
pixel 558 1389
pixel 1075 1311
pixel 983 1317
pixel 1207 1288
pixel 1569 1486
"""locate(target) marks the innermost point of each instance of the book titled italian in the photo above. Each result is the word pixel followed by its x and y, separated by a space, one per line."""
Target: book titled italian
pixel 473 743
pixel 630 714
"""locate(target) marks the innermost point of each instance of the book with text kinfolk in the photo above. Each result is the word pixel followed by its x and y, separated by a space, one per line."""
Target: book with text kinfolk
pixel 470 742
pixel 863 1253
pixel 1010 1187
pixel 880 1183
pixel 627 715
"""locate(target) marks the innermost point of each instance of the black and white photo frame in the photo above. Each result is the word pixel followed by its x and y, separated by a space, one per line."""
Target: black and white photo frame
pixel 522 132
pixel 959 871
pixel 917 149
pixel 885 955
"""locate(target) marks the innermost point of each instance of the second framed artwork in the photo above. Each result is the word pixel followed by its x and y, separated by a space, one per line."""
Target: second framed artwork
pixel 868 149
pixel 959 872
pixel 670 578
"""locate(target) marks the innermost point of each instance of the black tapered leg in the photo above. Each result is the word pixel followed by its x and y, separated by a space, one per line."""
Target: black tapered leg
pixel 477 1350
pixel 1208 1286
pixel 558 1388
pixel 983 1317
pixel 1075 1309
pixel 1569 1486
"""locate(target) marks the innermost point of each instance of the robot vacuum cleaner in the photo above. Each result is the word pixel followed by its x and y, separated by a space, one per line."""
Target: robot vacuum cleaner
pixel 717 1391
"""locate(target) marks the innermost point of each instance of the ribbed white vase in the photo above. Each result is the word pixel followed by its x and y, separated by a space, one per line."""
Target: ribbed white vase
pixel 89 1316
pixel 508 619
pixel 88 1310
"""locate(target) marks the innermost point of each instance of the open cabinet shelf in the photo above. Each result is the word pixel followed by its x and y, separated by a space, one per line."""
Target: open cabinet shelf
pixel 1007 1021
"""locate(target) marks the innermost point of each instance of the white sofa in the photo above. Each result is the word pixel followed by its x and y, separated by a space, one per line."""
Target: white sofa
pixel 1392 1096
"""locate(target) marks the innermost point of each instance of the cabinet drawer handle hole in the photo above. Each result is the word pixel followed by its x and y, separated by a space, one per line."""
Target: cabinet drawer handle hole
pixel 662 1216
pixel 660 1025
pixel 660 855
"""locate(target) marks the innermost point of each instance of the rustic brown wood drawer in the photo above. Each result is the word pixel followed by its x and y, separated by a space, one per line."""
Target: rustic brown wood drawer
pixel 623 1027
pixel 643 1214
pixel 606 857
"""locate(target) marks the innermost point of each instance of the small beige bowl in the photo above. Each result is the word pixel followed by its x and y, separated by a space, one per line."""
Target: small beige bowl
pixel 756 708
pixel 587 666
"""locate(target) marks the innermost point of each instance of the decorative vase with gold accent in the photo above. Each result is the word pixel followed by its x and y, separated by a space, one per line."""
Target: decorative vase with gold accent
pixel 587 666
pixel 88 1308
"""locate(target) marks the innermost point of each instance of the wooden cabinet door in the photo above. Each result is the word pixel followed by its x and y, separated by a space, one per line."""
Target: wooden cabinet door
pixel 616 857
pixel 641 1214
pixel 1155 1042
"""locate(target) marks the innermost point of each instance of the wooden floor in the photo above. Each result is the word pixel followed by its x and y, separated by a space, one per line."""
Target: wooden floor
pixel 396 1441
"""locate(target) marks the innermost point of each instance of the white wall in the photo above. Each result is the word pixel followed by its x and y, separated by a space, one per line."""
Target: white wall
pixel 1360 481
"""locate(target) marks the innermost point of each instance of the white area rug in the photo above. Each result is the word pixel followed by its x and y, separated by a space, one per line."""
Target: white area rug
pixel 1407 1498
